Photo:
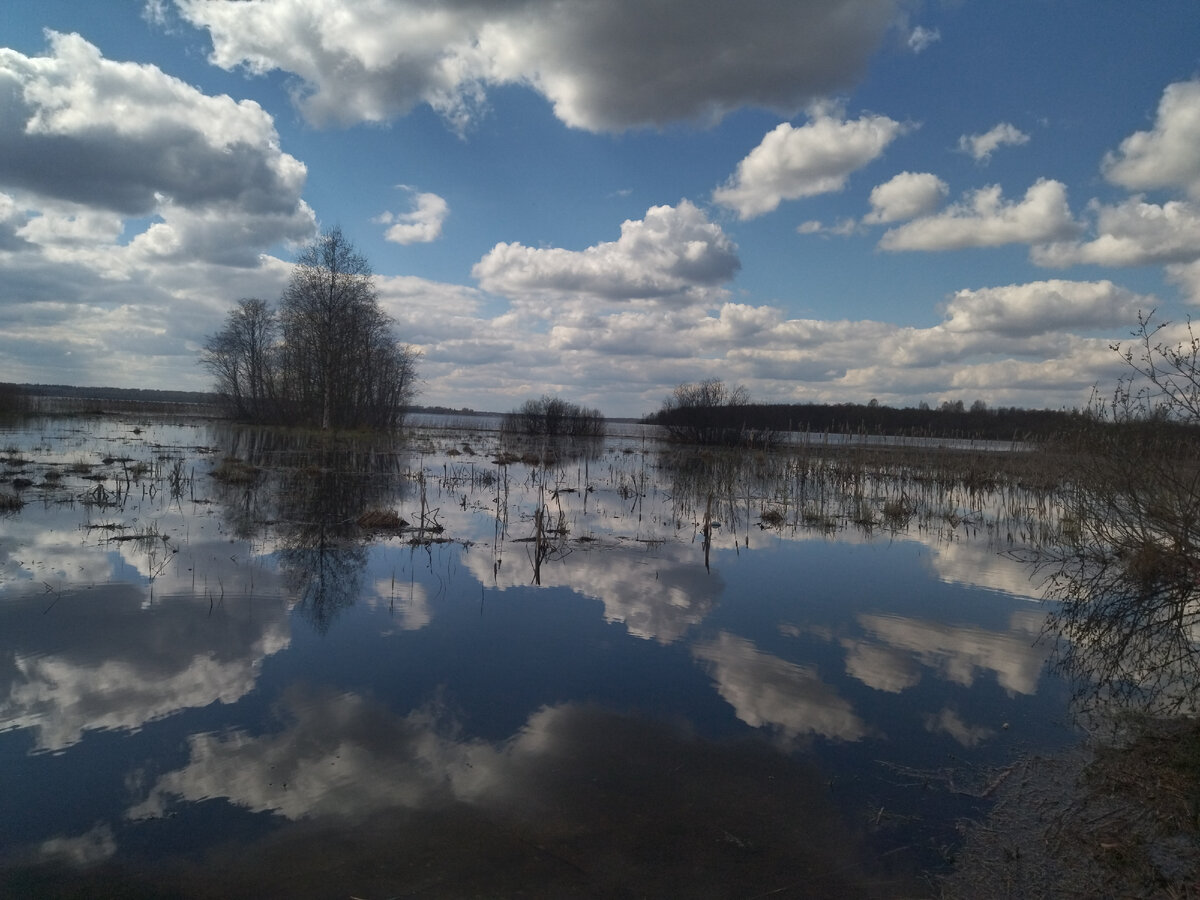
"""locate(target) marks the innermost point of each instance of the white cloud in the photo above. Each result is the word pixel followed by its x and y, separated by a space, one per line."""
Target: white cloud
pixel 1133 233
pixel 982 146
pixel 906 196
pixel 674 254
pixel 420 226
pixel 985 219
pixel 132 206
pixel 921 39
pixel 603 66
pixel 841 228
pixel 815 158
pixel 1187 276
pixel 1169 155
pixel 1042 306
pixel 129 138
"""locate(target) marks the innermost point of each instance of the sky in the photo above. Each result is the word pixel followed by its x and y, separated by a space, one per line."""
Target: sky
pixel 821 200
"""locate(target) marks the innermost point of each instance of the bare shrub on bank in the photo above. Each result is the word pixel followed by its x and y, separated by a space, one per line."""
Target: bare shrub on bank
pixel 1126 571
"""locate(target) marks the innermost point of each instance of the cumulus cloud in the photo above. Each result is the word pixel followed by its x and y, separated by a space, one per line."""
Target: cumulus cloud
pixel 1042 306
pixel 1167 155
pixel 603 66
pixel 123 136
pixel 87 143
pixel 982 146
pixel 1187 276
pixel 984 219
pixel 1132 233
pixel 801 161
pixel 132 205
pixel 906 196
pixel 674 253
pixel 420 226
pixel 921 38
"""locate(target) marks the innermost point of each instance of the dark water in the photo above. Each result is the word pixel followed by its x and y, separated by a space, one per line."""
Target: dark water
pixel 230 688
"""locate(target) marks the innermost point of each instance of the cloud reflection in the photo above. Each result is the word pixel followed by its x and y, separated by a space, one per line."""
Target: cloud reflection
pixel 768 692
pixel 957 653
pixel 658 595
pixel 609 799
pixel 107 663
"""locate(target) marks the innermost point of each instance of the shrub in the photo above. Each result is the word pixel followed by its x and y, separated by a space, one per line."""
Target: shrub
pixel 552 416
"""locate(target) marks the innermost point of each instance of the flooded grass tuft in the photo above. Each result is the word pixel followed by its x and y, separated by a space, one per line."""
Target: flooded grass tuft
pixel 234 471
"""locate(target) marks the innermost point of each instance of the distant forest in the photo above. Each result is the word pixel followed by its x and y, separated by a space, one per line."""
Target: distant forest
pixel 147 395
pixel 143 395
pixel 948 420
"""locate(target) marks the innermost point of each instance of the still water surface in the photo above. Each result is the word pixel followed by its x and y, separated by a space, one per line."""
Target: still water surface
pixel 555 680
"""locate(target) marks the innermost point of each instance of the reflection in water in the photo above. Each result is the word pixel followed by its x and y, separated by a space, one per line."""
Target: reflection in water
pixel 408 603
pixel 87 849
pixel 312 489
pixel 955 652
pixel 768 692
pixel 1126 617
pixel 147 666
pixel 657 593
pixel 580 799
pixel 948 721
pixel 97 660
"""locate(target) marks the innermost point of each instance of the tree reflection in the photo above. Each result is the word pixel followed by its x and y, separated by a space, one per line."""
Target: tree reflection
pixel 307 491
pixel 1125 573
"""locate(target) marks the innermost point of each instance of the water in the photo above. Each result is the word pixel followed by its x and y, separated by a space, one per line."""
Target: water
pixel 601 676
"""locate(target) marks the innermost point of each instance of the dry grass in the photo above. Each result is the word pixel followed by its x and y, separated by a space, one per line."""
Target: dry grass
pixel 773 518
pixel 381 520
pixel 235 471
pixel 1118 821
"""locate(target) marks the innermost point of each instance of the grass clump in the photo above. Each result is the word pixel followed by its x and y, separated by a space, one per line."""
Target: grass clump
pixel 235 471
pixel 10 503
pixel 381 520
pixel 773 518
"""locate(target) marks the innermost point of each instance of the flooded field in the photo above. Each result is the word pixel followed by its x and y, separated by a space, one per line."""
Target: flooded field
pixel 236 662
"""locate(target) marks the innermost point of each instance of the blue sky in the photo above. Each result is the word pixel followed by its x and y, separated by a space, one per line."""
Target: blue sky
pixel 829 200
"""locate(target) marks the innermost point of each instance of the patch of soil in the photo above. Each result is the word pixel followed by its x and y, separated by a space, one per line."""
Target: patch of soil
pixel 1119 817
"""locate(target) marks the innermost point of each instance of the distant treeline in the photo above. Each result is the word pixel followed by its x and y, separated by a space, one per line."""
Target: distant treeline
pixel 947 421
pixel 143 395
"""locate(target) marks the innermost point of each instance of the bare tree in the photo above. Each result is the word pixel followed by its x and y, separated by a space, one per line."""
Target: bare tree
pixel 238 357
pixel 329 315
pixel 709 412
pixel 329 358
